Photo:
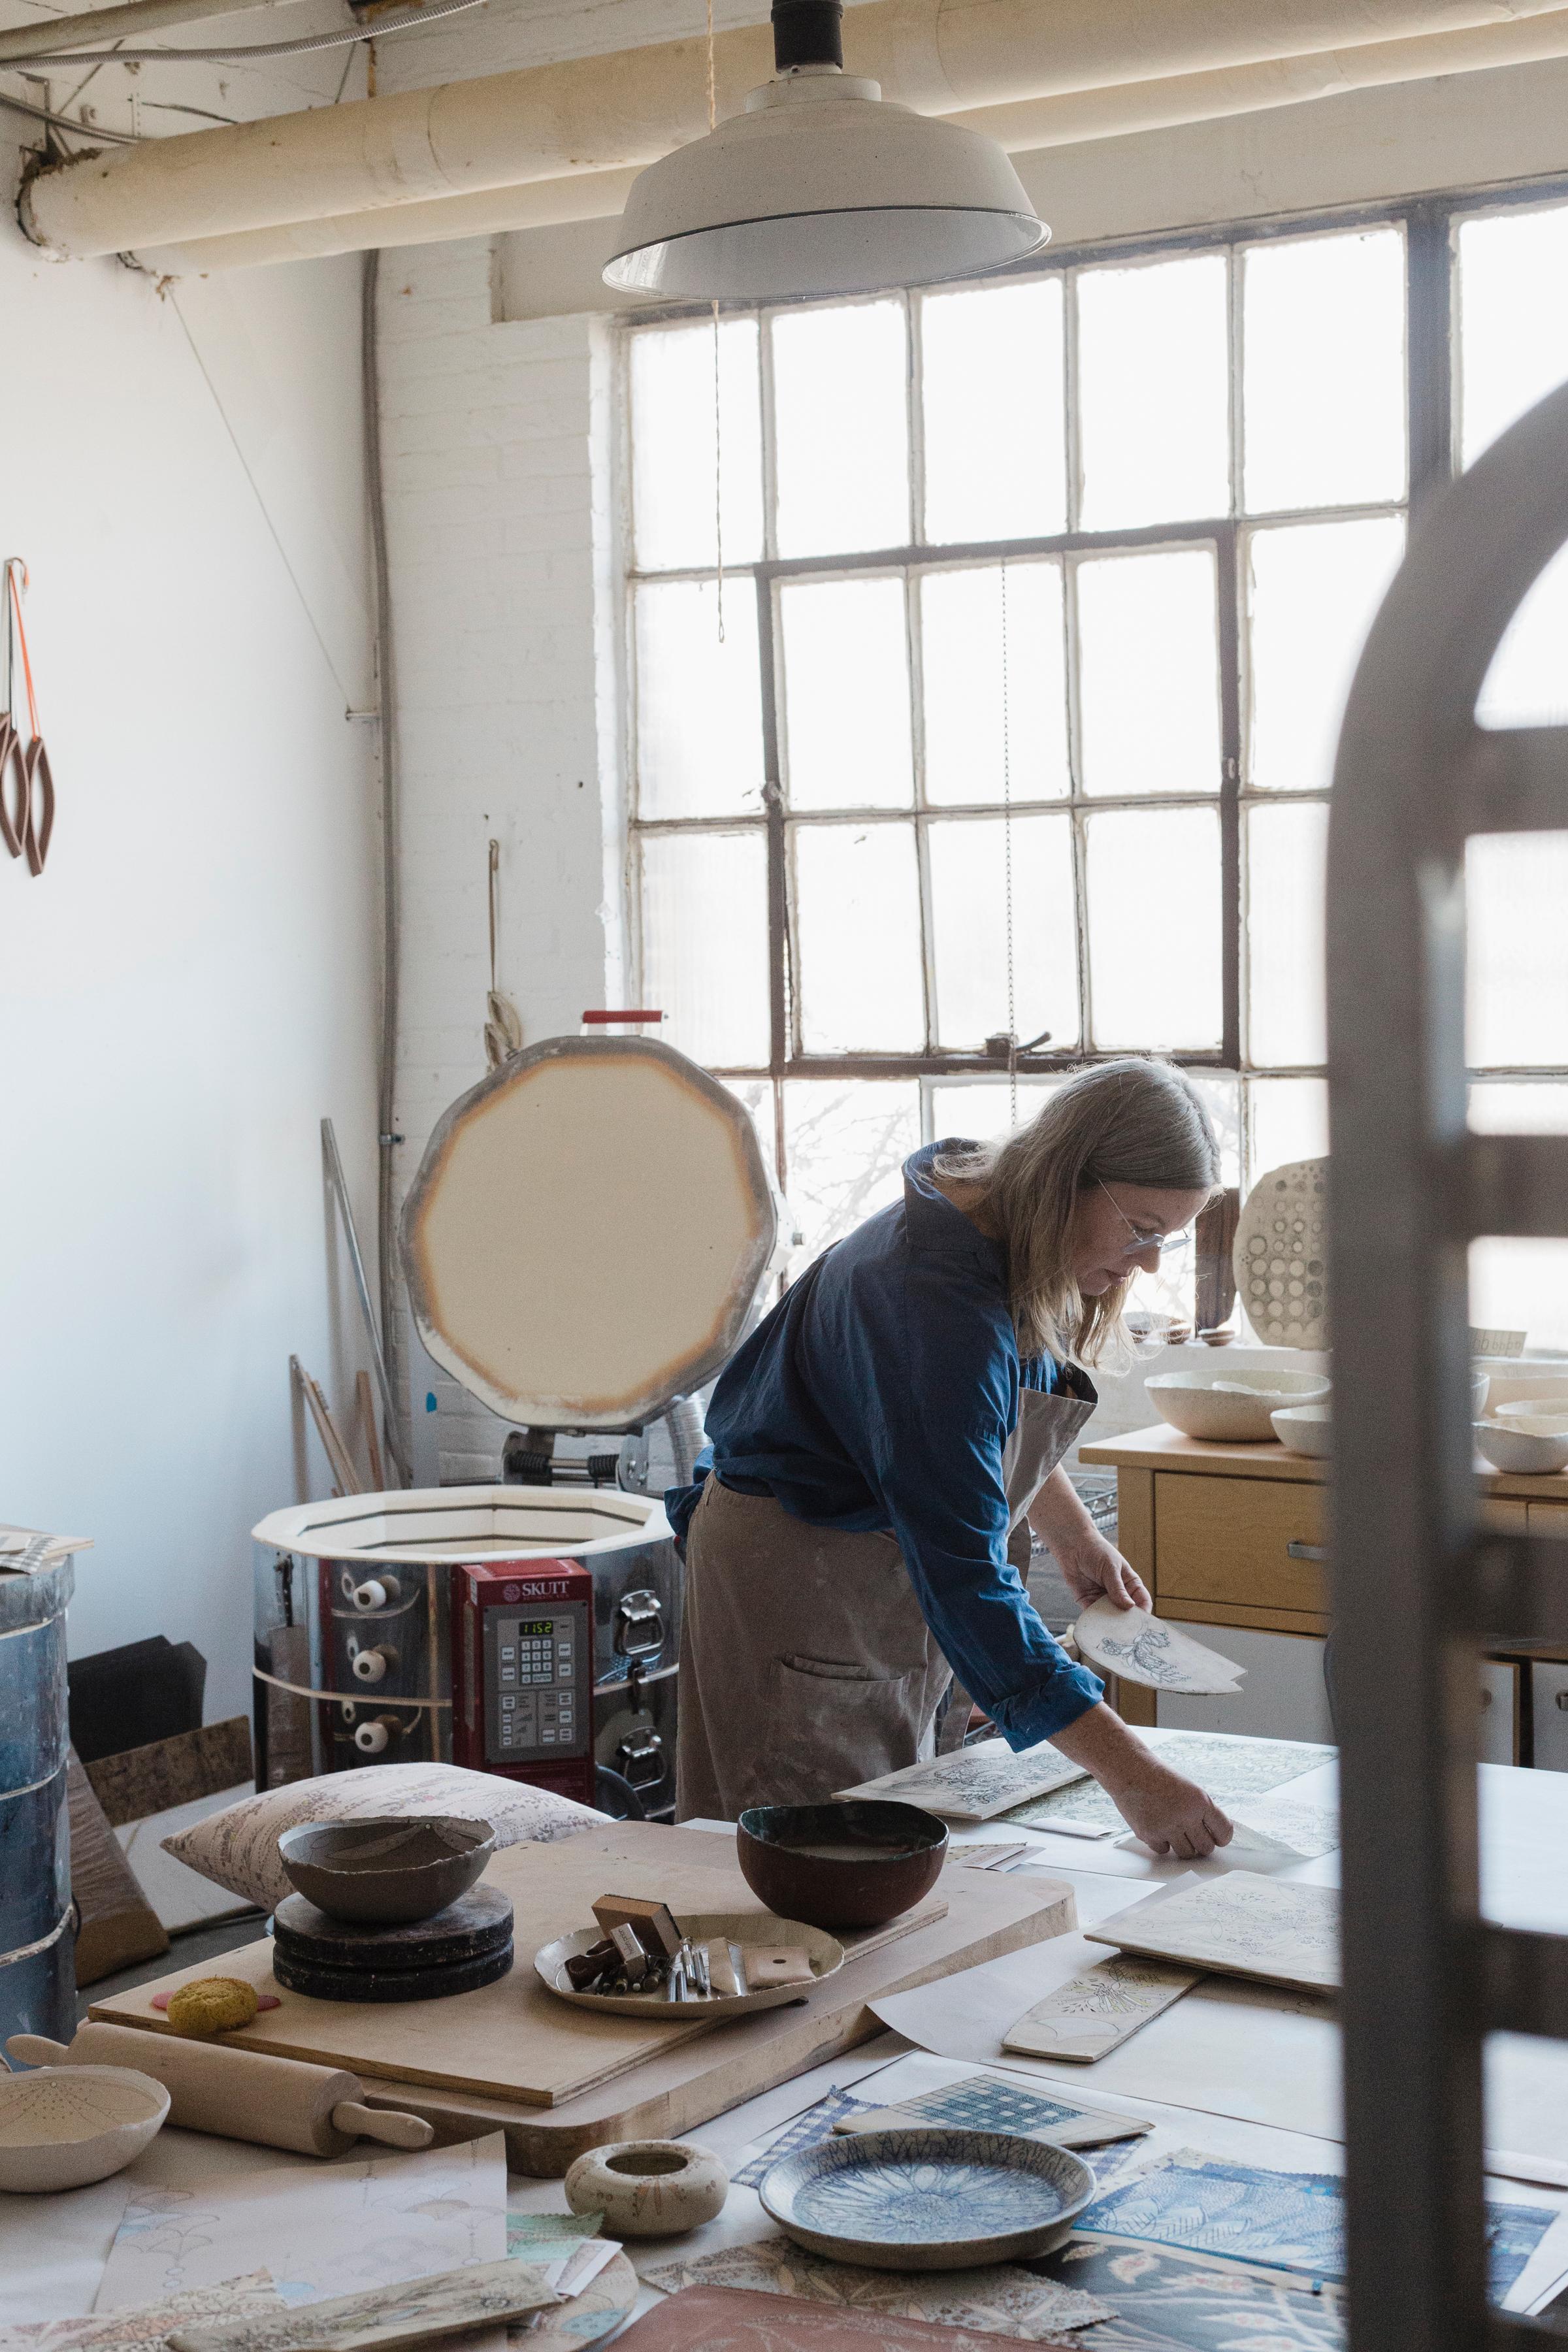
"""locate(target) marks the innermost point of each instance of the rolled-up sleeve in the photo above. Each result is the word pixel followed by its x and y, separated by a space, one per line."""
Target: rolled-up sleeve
pixel 944 1407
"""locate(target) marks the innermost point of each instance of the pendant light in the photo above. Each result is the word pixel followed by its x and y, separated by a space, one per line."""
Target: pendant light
pixel 822 186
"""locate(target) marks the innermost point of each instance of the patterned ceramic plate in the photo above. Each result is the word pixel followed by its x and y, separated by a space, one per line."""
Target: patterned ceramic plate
pixel 928 2200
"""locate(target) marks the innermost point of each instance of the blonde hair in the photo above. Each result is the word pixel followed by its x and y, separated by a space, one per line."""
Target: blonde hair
pixel 1133 1121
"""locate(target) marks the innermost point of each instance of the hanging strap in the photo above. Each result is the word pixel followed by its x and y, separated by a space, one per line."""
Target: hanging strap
pixel 17 635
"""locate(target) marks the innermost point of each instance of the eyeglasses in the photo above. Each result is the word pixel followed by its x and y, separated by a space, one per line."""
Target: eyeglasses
pixel 1141 1241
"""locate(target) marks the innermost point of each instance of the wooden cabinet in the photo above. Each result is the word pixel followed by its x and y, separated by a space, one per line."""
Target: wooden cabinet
pixel 1241 1551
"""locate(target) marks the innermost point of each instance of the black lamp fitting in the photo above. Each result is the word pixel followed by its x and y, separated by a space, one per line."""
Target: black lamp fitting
pixel 807 33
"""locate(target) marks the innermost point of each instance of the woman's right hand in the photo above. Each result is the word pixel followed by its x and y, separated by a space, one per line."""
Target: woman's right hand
pixel 1170 1815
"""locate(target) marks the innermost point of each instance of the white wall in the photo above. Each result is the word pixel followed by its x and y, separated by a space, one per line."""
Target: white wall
pixel 191 984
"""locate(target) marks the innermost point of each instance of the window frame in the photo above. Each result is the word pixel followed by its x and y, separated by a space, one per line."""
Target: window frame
pixel 1429 225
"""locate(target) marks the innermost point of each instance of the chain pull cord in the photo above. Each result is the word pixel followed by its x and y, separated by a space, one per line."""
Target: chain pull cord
pixel 717 417
pixel 1008 865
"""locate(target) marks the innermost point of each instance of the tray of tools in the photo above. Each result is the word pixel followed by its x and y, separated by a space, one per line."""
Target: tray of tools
pixel 639 1961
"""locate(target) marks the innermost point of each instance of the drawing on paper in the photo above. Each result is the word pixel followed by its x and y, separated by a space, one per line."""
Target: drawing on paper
pixel 809 2130
pixel 973 1784
pixel 1230 1770
pixel 144 2330
pixel 1165 2298
pixel 1242 1925
pixel 1001 2297
pixel 420 2308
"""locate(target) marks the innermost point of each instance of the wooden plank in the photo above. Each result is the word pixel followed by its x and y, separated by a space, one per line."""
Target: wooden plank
pixel 1164 1448
pixel 513 2037
pixel 116 1923
pixel 682 2089
pixel 1228 1540
pixel 141 1781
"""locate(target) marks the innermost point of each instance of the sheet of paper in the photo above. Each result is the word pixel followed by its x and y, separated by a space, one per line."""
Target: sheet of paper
pixel 975 1783
pixel 1231 1770
pixel 321 2229
pixel 145 2329
pixel 993 2102
pixel 1092 2014
pixel 1167 2297
pixel 1142 1648
pixel 1001 2299
pixel 1241 1924
pixel 421 2310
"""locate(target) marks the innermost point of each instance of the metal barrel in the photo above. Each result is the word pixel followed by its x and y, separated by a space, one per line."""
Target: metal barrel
pixel 37 1948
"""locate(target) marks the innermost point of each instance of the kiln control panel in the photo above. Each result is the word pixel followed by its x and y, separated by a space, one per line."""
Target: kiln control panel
pixel 538 1703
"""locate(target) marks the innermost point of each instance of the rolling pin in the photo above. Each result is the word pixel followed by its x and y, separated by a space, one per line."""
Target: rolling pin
pixel 238 2093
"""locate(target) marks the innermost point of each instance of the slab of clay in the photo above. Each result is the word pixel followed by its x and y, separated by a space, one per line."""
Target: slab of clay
pixel 1140 1648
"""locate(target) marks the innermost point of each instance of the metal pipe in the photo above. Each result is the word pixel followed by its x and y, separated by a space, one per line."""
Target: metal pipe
pixel 119 24
pixel 1023 127
pixel 601 113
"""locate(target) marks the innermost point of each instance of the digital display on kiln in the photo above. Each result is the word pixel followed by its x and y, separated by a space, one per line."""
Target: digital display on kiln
pixel 537 1704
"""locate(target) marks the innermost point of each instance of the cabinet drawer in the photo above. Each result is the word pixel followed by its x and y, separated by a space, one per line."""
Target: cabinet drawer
pixel 1228 1541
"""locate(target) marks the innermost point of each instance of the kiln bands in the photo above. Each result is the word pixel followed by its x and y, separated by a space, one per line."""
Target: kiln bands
pixel 366 1695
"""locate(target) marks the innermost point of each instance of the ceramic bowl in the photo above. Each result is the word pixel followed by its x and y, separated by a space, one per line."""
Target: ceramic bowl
pixel 389 1871
pixel 648 2188
pixel 1230 1407
pixel 1507 1446
pixel 825 1953
pixel 62 2126
pixel 854 1864
pixel 932 2199
pixel 1481 1389
pixel 1550 1411
pixel 1304 1429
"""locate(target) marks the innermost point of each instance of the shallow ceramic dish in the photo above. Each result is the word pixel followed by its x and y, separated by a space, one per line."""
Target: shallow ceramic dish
pixel 1535 1454
pixel 826 1953
pixel 391 1869
pixel 1545 1412
pixel 1304 1429
pixel 856 1864
pixel 928 2200
pixel 1231 1407
pixel 63 2127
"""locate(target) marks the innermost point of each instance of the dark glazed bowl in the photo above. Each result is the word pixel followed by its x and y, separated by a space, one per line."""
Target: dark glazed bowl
pixel 853 1865
pixel 390 1871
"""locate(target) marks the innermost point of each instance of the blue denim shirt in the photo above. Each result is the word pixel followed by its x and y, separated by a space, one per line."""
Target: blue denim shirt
pixel 879 1395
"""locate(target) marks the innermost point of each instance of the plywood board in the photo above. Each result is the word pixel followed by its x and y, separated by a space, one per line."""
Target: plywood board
pixel 512 2038
pixel 1272 1930
pixel 686 2082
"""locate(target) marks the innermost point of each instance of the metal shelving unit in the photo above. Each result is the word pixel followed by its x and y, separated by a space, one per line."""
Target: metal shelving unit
pixel 1419 1590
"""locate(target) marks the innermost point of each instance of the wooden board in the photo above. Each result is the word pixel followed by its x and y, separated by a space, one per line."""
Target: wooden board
pixel 513 2037
pixel 1164 1448
pixel 686 2082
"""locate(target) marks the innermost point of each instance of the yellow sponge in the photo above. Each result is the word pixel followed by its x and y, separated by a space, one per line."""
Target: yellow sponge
pixel 212 2005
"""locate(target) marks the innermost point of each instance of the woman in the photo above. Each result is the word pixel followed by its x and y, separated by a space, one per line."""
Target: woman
pixel 886 1428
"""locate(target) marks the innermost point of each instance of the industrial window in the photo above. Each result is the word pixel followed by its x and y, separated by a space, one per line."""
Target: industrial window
pixel 1012 706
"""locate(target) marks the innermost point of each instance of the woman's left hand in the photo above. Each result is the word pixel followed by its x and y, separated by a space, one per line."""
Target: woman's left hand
pixel 1095 1569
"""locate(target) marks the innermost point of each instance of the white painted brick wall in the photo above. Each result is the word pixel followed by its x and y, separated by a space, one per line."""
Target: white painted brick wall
pixel 499 507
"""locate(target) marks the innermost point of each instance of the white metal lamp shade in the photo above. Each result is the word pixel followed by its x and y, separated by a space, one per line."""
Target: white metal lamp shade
pixel 822 186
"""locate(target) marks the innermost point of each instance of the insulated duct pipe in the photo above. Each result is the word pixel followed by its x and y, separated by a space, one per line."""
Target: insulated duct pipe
pixel 117 24
pixel 1023 127
pixel 601 114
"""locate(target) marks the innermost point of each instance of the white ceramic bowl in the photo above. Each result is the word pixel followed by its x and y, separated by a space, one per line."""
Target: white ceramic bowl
pixel 62 2126
pixel 1551 1411
pixel 1534 1451
pixel 1480 1388
pixel 1230 1406
pixel 1304 1429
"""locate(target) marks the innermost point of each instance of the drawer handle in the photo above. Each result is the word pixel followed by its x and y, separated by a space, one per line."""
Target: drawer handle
pixel 1306 1552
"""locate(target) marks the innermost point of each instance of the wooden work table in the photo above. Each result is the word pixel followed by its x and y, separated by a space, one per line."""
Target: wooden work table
pixel 1236 1534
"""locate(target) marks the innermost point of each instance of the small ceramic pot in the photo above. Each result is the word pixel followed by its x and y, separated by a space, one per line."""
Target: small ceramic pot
pixel 648 2188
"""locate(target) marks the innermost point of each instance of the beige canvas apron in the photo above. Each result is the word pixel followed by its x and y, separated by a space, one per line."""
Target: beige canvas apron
pixel 806 1664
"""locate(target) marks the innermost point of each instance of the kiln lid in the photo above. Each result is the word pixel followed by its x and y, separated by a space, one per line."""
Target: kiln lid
pixel 587 1230
pixel 426 1525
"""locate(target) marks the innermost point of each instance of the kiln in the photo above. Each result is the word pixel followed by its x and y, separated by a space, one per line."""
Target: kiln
pixel 584 1244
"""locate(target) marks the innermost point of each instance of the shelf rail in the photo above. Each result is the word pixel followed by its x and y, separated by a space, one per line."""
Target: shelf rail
pixel 1419 1588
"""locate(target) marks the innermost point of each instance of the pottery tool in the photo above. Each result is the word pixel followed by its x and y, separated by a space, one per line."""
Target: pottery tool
pixel 238 2093
pixel 417 2311
pixel 653 1923
pixel 337 1453
pixel 1138 1647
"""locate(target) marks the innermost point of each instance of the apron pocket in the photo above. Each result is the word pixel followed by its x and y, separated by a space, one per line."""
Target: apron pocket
pixel 834 1726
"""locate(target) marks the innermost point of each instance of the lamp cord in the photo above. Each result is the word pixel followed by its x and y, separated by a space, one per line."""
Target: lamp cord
pixel 1007 863
pixel 717 404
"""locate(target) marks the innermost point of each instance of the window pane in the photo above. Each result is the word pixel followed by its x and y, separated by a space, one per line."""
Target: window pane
pixel 699 703
pixel 846 694
pixel 1518 1106
pixel 1221 1092
pixel 1153 392
pixel 1313 593
pixel 1148 673
pixel 841 428
pixel 1527 684
pixel 1286 848
pixel 1521 1287
pixel 673 446
pixel 1516 889
pixel 969 918
pixel 1513 329
pixel 991 376
pixel 1323 376
pixel 1155 929
pixel 705 943
pixel 972 706
pixel 845 1142
pixel 981 1108
pixel 1288 1119
pixel 858 924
